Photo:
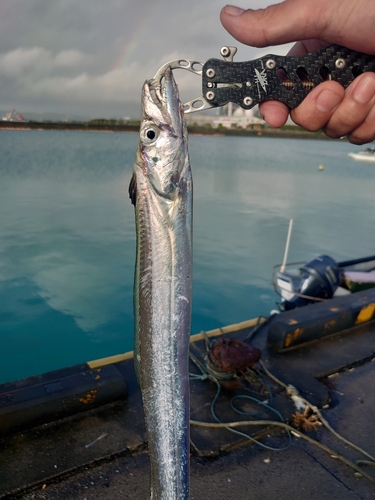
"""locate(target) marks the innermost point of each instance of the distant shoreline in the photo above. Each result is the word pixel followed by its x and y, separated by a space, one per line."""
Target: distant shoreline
pixel 284 132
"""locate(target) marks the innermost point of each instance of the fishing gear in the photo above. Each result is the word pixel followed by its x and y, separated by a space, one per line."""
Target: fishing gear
pixel 288 79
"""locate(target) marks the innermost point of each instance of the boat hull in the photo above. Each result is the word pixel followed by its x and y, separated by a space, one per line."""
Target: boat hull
pixel 368 157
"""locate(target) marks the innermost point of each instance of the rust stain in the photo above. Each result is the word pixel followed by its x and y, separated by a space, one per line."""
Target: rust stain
pixel 293 336
pixel 329 325
pixel 89 398
pixel 288 340
pixel 97 372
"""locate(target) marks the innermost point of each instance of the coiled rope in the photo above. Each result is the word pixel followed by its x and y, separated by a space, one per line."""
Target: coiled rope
pixel 292 392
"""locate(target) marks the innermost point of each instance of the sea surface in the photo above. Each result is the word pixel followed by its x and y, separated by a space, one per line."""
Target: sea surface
pixel 67 234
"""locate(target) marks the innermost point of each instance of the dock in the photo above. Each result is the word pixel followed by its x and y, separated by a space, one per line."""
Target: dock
pixel 101 453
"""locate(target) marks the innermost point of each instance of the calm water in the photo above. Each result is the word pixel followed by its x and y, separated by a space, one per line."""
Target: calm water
pixel 67 236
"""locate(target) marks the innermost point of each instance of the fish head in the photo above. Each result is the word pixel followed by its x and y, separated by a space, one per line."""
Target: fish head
pixel 162 152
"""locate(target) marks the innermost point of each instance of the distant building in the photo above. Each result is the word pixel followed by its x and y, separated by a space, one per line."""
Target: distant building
pixel 230 116
pixel 13 116
pixel 239 118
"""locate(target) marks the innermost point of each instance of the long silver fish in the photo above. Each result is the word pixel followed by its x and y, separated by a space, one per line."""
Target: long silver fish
pixel 161 191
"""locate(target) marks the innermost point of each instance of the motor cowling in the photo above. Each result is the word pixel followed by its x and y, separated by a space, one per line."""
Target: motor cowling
pixel 319 278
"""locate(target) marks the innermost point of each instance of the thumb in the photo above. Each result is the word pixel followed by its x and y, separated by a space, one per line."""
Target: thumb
pixel 285 22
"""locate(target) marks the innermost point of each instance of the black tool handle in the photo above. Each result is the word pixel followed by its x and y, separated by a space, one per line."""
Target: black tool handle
pixel 288 79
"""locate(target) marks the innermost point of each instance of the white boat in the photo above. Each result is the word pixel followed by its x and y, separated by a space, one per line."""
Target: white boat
pixel 365 155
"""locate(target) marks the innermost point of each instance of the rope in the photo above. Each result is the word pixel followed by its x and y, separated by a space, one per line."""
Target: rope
pixel 294 394
pixel 292 391
pixel 261 320
pixel 292 430
pixel 242 434
pixel 206 372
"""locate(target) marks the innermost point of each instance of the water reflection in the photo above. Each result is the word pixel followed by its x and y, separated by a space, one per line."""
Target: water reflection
pixel 67 237
pixel 67 249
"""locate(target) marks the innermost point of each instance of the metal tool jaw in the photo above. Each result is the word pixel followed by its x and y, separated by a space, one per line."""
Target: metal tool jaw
pixel 186 64
pixel 199 103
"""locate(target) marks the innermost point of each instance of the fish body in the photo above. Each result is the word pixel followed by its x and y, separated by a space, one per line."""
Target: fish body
pixel 161 191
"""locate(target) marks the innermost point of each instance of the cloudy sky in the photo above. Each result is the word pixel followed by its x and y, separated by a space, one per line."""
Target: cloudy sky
pixel 91 57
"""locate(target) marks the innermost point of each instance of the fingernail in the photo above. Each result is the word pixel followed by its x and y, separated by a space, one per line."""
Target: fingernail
pixel 232 10
pixel 327 101
pixel 364 90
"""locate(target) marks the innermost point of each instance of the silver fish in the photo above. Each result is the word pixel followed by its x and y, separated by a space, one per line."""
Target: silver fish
pixel 161 190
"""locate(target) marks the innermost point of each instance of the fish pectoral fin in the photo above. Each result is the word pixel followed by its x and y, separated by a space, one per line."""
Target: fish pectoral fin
pixel 133 189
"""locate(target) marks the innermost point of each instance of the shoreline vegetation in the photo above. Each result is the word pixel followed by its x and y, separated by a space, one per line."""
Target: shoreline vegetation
pixel 103 125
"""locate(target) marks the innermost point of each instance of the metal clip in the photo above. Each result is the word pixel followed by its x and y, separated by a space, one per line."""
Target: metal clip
pixel 199 103
pixel 188 65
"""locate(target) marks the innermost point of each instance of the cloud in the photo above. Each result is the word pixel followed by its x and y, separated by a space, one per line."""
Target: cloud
pixel 16 62
pixel 36 61
pixel 65 54
pixel 40 73
pixel 71 58
pixel 113 86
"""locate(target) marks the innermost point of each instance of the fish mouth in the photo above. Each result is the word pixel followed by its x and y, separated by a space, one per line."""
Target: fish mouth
pixel 164 91
pixel 159 83
pixel 161 103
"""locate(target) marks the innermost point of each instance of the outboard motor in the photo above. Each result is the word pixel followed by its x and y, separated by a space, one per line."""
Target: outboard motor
pixel 319 278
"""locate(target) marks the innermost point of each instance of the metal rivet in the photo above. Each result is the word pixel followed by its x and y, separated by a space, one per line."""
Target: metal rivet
pixel 210 85
pixel 340 63
pixel 271 63
pixel 210 95
pixel 248 84
pixel 224 51
pixel 210 73
pixel 248 101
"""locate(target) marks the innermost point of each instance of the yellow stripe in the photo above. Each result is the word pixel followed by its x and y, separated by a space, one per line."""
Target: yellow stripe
pixel 365 314
pixel 194 338
pixel 97 363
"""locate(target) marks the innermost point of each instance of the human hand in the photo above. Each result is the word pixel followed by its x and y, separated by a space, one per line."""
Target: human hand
pixel 314 24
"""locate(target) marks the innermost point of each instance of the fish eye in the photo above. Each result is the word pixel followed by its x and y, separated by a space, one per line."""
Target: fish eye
pixel 149 134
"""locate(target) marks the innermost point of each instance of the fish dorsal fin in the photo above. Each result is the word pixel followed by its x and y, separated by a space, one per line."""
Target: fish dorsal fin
pixel 133 190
